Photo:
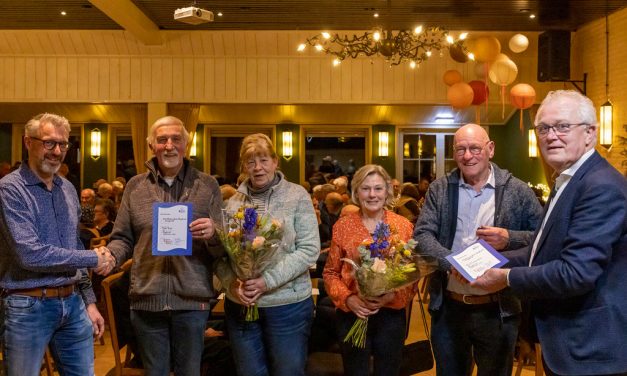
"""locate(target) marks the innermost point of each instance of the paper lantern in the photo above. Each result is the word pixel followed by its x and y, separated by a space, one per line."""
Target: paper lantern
pixel 503 71
pixel 486 49
pixel 460 95
pixel 481 70
pixel 457 54
pixel 522 96
pixel 518 43
pixel 480 91
pixel 452 77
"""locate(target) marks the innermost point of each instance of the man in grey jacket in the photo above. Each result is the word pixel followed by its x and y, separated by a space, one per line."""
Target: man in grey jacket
pixel 476 201
pixel 169 295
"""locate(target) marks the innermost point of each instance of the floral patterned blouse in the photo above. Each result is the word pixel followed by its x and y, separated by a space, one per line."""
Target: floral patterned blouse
pixel 348 233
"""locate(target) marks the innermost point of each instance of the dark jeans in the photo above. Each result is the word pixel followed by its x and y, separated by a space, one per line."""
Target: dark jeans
pixel 276 344
pixel 384 341
pixel 170 338
pixel 460 331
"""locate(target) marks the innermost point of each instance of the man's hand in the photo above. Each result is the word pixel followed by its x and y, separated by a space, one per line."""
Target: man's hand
pixel 492 280
pixel 202 228
pixel 106 261
pixel 379 301
pixel 497 237
pixel 97 322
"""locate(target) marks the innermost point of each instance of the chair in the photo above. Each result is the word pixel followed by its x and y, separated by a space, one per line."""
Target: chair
pixel 524 353
pixel 121 367
pixel 99 241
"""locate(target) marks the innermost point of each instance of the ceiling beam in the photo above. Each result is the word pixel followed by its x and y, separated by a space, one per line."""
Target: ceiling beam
pixel 132 19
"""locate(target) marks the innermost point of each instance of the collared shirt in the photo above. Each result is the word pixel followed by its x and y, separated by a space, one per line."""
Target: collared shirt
pixel 560 184
pixel 39 243
pixel 474 209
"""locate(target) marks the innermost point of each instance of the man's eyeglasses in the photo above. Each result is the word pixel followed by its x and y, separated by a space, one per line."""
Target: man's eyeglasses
pixel 50 145
pixel 559 128
pixel 474 149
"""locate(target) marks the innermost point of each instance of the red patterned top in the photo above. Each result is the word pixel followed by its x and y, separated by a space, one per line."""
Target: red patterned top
pixel 348 233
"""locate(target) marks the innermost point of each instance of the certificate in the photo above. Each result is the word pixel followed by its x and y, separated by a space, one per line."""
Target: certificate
pixel 170 229
pixel 476 259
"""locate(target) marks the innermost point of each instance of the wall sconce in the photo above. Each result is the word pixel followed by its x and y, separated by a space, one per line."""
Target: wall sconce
pixel 605 136
pixel 384 143
pixel 96 138
pixel 286 145
pixel 533 144
pixel 605 126
pixel 192 150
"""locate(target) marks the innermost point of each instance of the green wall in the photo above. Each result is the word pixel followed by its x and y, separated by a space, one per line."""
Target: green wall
pixel 512 152
pixel 6 131
pixel 389 162
pixel 94 169
pixel 291 167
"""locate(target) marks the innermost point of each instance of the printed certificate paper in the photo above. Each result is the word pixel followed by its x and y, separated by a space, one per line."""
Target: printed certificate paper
pixel 170 229
pixel 476 259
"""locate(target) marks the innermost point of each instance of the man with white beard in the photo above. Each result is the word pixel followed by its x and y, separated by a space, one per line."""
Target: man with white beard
pixel 43 277
pixel 169 296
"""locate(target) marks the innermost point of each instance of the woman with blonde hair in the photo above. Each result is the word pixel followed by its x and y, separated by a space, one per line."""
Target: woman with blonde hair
pixel 372 192
pixel 275 344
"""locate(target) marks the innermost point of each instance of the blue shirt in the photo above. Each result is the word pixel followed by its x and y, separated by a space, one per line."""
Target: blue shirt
pixel 39 243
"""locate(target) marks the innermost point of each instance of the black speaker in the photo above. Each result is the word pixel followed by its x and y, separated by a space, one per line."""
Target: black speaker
pixel 554 55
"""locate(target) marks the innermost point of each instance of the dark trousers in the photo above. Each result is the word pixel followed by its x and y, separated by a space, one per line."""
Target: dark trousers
pixel 461 332
pixel 384 341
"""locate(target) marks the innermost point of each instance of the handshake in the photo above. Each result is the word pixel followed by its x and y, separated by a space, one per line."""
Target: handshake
pixel 106 261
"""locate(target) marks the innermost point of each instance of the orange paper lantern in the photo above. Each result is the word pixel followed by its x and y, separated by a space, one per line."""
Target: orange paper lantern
pixel 522 96
pixel 486 49
pixel 460 95
pixel 452 77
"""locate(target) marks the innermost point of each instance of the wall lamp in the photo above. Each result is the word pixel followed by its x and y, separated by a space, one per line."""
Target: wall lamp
pixel 384 143
pixel 286 145
pixel 605 126
pixel 96 138
pixel 533 144
pixel 192 150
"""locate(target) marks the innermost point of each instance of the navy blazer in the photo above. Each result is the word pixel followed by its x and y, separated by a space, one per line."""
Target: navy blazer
pixel 578 280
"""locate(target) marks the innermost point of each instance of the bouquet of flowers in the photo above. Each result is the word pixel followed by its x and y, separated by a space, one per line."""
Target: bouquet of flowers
pixel 250 241
pixel 387 264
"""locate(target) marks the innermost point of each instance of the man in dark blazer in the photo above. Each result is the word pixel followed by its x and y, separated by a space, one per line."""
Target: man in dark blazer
pixel 575 272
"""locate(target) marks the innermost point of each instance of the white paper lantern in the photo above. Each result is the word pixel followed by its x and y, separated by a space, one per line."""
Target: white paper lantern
pixel 518 43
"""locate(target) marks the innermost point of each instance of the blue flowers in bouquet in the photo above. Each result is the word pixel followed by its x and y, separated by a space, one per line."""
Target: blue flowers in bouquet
pixel 387 264
pixel 250 241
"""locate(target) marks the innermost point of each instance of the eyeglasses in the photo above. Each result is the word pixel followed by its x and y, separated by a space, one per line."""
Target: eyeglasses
pixel 559 128
pixel 474 149
pixel 50 145
pixel 162 140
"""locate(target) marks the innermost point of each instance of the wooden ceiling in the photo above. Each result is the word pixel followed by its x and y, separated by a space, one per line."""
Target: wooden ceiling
pixel 488 15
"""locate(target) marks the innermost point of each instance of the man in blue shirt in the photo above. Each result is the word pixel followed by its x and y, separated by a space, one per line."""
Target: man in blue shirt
pixel 46 296
pixel 478 200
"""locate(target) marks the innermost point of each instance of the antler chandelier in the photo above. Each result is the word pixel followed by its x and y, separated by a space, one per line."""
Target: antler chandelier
pixel 403 46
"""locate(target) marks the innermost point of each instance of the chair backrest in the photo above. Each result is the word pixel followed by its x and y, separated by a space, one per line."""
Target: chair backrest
pixel 100 241
pixel 120 366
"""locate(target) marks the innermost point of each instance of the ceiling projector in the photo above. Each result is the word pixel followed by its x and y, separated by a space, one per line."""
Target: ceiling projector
pixel 193 15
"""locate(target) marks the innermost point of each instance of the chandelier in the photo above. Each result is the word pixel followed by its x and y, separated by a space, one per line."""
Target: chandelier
pixel 411 46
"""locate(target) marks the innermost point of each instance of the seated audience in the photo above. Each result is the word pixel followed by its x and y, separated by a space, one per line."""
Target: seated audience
pixel 104 215
pixel 407 205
